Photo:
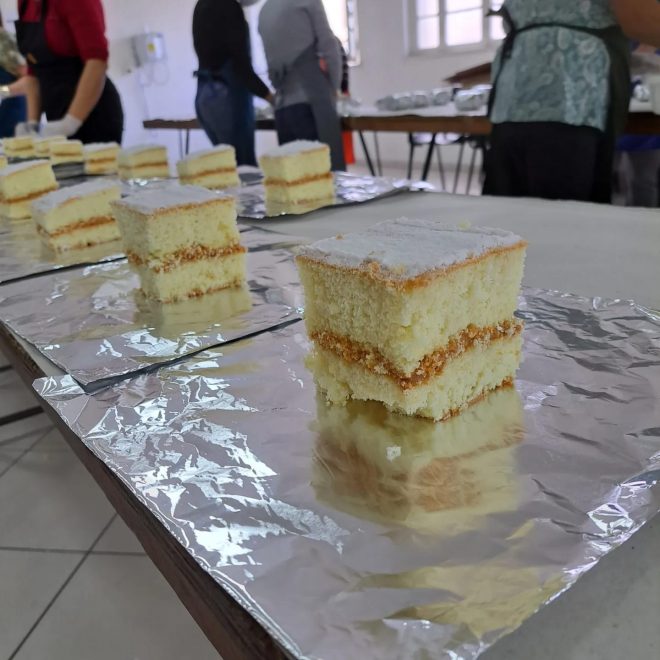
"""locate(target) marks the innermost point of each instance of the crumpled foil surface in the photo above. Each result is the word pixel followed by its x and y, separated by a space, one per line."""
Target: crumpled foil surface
pixel 23 253
pixel 351 532
pixel 95 325
pixel 349 189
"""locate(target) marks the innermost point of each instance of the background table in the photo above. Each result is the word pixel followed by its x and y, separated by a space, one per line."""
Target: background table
pixel 583 248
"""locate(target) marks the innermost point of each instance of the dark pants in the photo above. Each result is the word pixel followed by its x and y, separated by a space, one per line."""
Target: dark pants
pixel 549 160
pixel 226 114
pixel 12 111
pixel 295 122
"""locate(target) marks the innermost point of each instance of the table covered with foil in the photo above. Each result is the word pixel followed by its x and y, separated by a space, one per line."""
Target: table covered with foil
pixel 94 323
pixel 351 532
pixel 349 189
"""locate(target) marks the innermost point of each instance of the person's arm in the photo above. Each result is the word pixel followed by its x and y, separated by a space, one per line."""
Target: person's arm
pixel 89 89
pixel 10 58
pixel 237 44
pixel 326 42
pixel 639 19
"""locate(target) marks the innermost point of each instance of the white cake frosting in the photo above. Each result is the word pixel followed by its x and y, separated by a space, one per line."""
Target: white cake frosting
pixel 171 196
pixel 406 248
pixel 100 146
pixel 140 148
pixel 218 149
pixel 293 148
pixel 20 167
pixel 53 200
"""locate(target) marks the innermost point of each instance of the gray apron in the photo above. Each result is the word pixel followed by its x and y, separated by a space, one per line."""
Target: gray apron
pixel 320 96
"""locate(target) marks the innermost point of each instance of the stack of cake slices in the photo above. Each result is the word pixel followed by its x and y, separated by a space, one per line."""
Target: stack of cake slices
pixel 21 184
pixel 101 158
pixel 42 145
pixel 19 147
pixel 145 161
pixel 183 241
pixel 214 168
pixel 297 176
pixel 78 216
pixel 414 314
pixel 66 151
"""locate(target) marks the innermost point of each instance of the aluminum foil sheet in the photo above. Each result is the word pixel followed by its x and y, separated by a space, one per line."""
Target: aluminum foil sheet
pixel 22 253
pixel 349 189
pixel 94 324
pixel 351 532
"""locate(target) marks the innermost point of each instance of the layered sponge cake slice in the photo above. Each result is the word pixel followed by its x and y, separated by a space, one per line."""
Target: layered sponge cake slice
pixel 66 151
pixel 145 161
pixel 298 173
pixel 414 314
pixel 19 147
pixel 78 216
pixel 101 158
pixel 42 145
pixel 214 168
pixel 183 241
pixel 21 184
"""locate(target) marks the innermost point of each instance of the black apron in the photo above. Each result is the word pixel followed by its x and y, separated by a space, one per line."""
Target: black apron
pixel 618 48
pixel 58 80
pixel 321 97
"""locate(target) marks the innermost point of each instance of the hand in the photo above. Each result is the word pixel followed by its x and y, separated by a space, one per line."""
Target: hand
pixel 67 127
pixel 26 128
pixel 270 98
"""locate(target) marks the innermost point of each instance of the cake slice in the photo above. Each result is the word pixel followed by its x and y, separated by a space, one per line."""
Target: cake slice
pixel 66 151
pixel 183 241
pixel 21 184
pixel 101 157
pixel 77 216
pixel 146 161
pixel 42 145
pixel 214 168
pixel 414 314
pixel 298 174
pixel 3 161
pixel 19 147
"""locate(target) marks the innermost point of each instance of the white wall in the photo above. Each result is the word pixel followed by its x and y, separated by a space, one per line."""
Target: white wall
pixel 386 67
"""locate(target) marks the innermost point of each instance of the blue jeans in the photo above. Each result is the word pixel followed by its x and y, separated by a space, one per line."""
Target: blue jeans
pixel 295 122
pixel 12 111
pixel 226 113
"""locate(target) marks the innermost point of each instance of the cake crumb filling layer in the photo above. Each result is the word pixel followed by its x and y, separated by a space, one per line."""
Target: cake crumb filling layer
pixel 327 176
pixel 77 226
pixel 184 255
pixel 430 366
pixel 219 170
pixel 27 198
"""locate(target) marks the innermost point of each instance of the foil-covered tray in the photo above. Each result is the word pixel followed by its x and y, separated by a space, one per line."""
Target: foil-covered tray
pixel 94 323
pixel 351 532
pixel 23 253
pixel 349 189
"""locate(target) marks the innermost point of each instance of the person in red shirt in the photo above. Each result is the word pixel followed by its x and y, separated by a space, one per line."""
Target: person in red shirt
pixel 64 44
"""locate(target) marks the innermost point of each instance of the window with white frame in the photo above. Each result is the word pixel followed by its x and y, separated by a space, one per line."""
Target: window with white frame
pixel 453 24
pixel 342 16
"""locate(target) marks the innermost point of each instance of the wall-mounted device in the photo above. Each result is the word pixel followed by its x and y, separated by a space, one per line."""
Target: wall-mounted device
pixel 149 48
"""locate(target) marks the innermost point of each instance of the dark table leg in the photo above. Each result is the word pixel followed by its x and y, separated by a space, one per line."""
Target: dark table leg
pixel 367 155
pixel 187 142
pixel 429 158
pixel 379 164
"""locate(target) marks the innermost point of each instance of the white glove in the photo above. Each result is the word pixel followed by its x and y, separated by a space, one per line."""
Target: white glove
pixel 66 127
pixel 26 128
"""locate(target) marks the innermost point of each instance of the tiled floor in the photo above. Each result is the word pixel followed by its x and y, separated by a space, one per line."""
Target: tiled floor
pixel 74 581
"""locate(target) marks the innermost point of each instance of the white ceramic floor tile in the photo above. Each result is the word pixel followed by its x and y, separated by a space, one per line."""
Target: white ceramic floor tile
pixel 28 580
pixel 117 606
pixel 52 441
pixel 48 500
pixel 610 614
pixel 24 433
pixel 118 538
pixel 14 395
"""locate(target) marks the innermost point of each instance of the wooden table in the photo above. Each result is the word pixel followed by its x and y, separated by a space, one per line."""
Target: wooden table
pixel 582 248
pixel 446 121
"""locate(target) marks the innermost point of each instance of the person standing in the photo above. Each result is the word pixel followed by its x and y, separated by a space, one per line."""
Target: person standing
pixel 13 111
pixel 305 67
pixel 560 96
pixel 66 50
pixel 226 81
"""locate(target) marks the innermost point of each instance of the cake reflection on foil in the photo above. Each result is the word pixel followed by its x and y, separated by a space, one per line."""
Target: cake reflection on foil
pixel 426 476
pixel 274 209
pixel 191 316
